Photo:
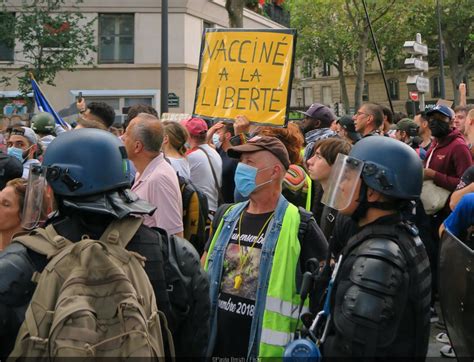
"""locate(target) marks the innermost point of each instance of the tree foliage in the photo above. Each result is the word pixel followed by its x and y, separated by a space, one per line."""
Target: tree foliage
pixel 457 27
pixel 337 33
pixel 323 36
pixel 50 37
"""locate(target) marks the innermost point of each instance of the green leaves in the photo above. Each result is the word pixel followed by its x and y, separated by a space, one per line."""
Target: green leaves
pixel 49 37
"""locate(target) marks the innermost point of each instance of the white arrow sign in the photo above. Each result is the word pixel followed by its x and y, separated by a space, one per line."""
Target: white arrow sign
pixel 416 64
pixel 415 48
pixel 418 83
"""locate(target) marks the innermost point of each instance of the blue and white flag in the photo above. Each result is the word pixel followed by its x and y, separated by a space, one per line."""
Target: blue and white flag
pixel 44 106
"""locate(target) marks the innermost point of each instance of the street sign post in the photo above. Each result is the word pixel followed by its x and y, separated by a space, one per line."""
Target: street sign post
pixel 417 83
pixel 415 63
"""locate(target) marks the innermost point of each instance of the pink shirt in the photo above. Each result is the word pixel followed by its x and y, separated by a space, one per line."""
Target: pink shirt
pixel 159 186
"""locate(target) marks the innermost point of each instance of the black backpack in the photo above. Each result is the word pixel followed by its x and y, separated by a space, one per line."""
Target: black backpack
pixel 188 291
pixel 195 214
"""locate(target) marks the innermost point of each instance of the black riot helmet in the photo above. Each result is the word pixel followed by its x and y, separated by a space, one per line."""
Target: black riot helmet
pixel 385 165
pixel 390 167
pixel 88 170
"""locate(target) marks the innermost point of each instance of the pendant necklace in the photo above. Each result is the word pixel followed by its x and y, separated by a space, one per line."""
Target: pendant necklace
pixel 238 279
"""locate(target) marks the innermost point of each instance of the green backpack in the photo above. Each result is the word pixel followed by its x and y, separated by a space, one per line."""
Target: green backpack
pixel 93 299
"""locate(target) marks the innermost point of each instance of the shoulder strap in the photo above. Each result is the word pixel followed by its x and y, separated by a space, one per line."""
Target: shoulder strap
pixel 219 192
pixel 327 223
pixel 305 217
pixel 122 230
pixel 43 241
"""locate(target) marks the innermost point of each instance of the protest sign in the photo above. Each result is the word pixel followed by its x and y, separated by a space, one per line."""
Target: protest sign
pixel 246 72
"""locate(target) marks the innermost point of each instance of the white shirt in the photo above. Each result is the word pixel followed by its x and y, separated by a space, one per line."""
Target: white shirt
pixel 26 167
pixel 181 166
pixel 201 173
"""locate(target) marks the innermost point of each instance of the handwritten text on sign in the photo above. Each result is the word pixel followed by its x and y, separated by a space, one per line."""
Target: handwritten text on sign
pixel 245 72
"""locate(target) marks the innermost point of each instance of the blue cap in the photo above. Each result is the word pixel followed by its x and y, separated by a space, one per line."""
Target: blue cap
pixel 446 111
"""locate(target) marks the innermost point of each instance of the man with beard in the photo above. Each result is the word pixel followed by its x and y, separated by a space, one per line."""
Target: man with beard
pixel 448 156
pixel 446 161
pixel 316 126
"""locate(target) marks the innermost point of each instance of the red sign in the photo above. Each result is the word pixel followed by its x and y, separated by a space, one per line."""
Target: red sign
pixel 413 96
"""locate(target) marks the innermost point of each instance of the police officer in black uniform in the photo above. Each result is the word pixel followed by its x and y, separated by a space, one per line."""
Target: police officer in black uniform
pixel 380 303
pixel 87 171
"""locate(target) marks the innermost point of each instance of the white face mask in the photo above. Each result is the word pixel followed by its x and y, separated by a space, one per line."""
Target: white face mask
pixel 216 140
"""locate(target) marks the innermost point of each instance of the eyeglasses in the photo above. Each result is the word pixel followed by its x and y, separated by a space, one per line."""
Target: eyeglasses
pixel 360 113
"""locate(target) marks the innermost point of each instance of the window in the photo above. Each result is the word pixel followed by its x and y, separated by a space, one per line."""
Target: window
pixel 120 100
pixel 7 44
pixel 327 95
pixel 326 70
pixel 128 102
pixel 394 89
pixel 307 96
pixel 307 69
pixel 435 87
pixel 365 92
pixel 116 38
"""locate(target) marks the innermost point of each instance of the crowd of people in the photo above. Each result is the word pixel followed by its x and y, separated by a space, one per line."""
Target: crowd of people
pixel 368 195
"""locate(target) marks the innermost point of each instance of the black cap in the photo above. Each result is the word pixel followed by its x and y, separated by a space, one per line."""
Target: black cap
pixel 10 168
pixel 347 123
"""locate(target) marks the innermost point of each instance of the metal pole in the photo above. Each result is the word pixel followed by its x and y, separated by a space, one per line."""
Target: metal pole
pixel 164 57
pixel 421 95
pixel 378 55
pixel 441 53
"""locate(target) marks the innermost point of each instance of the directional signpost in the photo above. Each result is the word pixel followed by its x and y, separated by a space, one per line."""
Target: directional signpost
pixel 417 83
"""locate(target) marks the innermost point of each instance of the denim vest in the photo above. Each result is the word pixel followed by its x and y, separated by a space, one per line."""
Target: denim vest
pixel 214 267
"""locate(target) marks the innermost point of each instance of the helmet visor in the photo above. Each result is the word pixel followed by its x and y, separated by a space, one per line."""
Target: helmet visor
pixel 36 199
pixel 344 177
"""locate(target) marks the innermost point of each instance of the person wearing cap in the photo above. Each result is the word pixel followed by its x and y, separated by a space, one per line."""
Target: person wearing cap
pixel 446 161
pixel 368 119
pixel 205 163
pixel 23 144
pixel 44 125
pixel 448 156
pixel 346 129
pixel 10 168
pixel 255 257
pixel 406 131
pixel 316 125
pixel 155 181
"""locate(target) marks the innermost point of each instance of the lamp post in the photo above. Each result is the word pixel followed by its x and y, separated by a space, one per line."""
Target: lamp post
pixel 441 52
pixel 164 57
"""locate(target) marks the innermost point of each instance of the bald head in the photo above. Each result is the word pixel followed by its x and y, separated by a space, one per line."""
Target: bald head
pixel 147 129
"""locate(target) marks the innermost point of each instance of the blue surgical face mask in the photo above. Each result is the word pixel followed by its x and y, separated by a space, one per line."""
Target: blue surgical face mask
pixel 16 152
pixel 216 140
pixel 244 178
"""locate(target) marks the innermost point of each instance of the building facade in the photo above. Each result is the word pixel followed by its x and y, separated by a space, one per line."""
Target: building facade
pixel 127 65
pixel 321 84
